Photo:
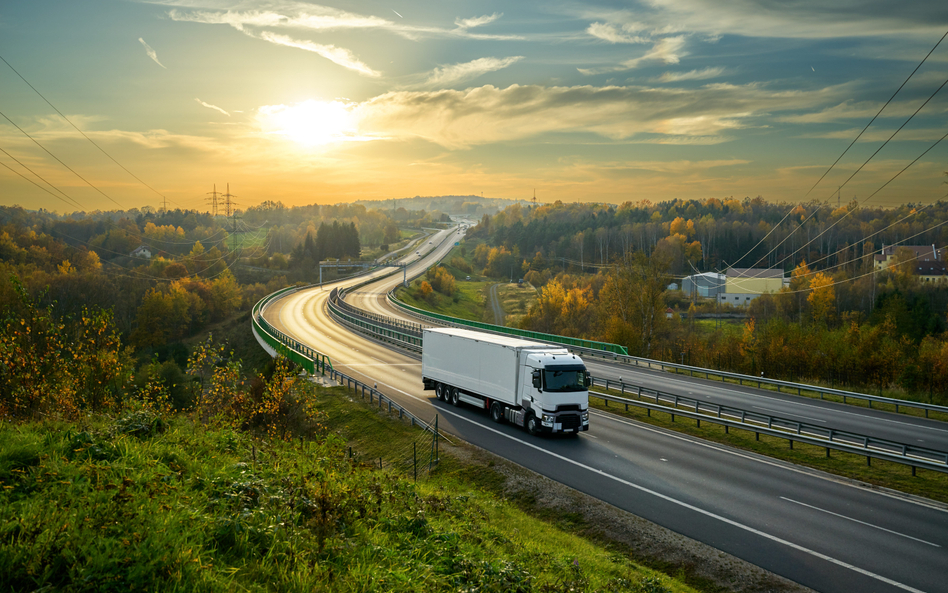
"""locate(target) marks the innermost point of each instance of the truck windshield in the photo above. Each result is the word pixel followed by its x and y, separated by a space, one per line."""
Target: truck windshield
pixel 564 378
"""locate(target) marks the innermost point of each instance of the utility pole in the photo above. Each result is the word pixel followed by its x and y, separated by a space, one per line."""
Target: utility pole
pixel 228 204
pixel 164 204
pixel 213 200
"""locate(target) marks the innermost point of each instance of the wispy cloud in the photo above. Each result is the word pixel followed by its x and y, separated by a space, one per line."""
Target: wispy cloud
pixel 625 33
pixel 313 17
pixel 446 75
pixel 151 53
pixel 703 74
pixel 809 19
pixel 337 55
pixel 482 115
pixel 214 107
pixel 477 21
pixel 667 50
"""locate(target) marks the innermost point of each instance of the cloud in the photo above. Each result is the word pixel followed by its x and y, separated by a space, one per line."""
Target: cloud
pixel 151 53
pixel 313 17
pixel 810 19
pixel 447 75
pixel 618 34
pixel 462 119
pixel 209 106
pixel 477 21
pixel 667 50
pixel 702 74
pixel 337 55
pixel 847 110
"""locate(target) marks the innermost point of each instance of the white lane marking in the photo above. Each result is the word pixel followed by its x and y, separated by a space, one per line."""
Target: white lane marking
pixel 825 409
pixel 809 506
pixel 691 507
pixel 790 413
pixel 714 447
pixel 686 505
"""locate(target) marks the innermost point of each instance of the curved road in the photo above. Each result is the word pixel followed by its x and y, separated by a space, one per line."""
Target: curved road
pixel 824 533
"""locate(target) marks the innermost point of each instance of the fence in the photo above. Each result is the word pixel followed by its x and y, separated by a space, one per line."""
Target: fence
pixel 730 417
pixel 376 397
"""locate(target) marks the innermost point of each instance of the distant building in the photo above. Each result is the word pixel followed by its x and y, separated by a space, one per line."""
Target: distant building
pixel 709 284
pixel 142 251
pixel 922 253
pixel 742 285
pixel 931 271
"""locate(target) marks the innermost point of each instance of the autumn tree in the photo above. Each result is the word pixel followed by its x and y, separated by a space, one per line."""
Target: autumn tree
pixel 632 301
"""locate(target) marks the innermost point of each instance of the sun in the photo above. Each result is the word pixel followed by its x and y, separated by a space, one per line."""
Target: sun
pixel 311 123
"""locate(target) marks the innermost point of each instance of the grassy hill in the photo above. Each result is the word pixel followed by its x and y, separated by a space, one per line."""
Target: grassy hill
pixel 145 503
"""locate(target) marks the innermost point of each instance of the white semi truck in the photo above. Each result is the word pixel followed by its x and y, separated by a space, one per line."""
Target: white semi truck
pixel 540 387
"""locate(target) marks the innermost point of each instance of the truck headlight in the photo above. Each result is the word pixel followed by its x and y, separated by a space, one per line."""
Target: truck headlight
pixel 549 418
pixel 585 416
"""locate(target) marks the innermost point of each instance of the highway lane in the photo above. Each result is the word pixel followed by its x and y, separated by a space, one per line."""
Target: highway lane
pixel 872 422
pixel 825 534
pixel 882 424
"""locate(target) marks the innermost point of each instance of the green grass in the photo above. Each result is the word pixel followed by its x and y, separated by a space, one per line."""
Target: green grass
pixel 886 474
pixel 141 504
pixel 469 304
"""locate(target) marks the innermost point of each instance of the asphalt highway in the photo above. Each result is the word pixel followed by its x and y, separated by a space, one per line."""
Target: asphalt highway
pixel 825 533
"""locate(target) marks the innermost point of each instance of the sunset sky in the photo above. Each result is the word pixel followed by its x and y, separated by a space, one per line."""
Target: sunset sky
pixel 603 102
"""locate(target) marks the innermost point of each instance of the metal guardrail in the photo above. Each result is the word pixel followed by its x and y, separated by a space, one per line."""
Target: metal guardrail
pixel 782 385
pixel 377 397
pixel 367 323
pixel 440 319
pixel 311 360
pixel 730 417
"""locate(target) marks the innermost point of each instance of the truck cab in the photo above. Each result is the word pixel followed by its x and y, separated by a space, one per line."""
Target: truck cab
pixel 555 391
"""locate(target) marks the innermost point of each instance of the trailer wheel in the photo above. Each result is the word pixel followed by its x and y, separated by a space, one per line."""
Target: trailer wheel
pixel 497 412
pixel 439 391
pixel 532 425
pixel 455 400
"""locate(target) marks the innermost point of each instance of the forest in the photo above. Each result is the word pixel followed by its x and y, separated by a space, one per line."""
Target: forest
pixel 603 272
pixel 137 286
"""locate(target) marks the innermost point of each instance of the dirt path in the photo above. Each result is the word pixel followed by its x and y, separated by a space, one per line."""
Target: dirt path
pixel 495 305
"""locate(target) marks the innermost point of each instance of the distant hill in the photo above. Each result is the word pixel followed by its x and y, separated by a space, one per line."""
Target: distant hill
pixel 469 205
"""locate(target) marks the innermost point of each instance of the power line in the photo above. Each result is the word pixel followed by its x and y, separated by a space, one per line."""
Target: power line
pixel 83 133
pixel 876 115
pixel 41 178
pixel 35 141
pixel 867 160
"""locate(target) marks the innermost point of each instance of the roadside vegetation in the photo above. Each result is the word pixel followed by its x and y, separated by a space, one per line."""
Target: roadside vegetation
pixel 603 273
pixel 109 481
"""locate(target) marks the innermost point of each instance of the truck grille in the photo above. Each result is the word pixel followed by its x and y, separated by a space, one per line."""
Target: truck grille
pixel 570 421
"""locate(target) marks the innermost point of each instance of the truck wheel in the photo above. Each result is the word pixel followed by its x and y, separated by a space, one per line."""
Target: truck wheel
pixel 532 425
pixel 454 396
pixel 497 412
pixel 439 391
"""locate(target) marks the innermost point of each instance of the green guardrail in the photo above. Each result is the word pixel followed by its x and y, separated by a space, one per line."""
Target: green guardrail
pixel 513 331
pixel 311 360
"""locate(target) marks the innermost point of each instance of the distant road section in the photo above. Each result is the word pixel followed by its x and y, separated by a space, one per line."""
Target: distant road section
pixel 495 306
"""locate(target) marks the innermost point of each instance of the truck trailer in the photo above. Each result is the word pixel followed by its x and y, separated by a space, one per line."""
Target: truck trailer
pixel 540 387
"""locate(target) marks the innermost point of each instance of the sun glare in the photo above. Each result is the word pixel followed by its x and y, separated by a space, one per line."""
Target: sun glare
pixel 311 123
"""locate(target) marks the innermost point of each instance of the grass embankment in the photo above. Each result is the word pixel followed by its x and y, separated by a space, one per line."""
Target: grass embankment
pixel 886 474
pixel 470 301
pixel 142 504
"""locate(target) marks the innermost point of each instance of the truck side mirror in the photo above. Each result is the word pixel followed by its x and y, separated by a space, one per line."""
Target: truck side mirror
pixel 536 379
pixel 588 380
